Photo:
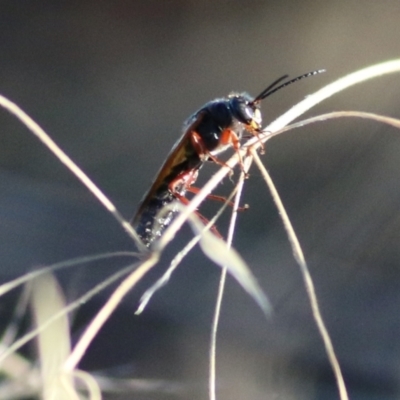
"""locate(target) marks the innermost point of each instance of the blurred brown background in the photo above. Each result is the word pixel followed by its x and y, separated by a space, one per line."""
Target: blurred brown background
pixel 112 82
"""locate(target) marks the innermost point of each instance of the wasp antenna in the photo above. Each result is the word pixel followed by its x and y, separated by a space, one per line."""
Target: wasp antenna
pixel 270 89
pixel 266 90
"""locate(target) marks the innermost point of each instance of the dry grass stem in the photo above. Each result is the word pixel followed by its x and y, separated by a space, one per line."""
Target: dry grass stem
pixel 102 316
pixel 66 160
pixel 64 311
pixel 221 287
pixel 30 276
pixel 308 282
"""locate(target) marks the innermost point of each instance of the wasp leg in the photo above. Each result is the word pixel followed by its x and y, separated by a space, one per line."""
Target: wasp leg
pixel 203 219
pixel 256 133
pixel 228 136
pixel 185 179
pixel 203 152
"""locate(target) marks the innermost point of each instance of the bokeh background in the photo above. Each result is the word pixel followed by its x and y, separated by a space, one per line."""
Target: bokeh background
pixel 112 82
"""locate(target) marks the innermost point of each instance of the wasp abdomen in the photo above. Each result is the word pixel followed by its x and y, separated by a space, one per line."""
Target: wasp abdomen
pixel 148 225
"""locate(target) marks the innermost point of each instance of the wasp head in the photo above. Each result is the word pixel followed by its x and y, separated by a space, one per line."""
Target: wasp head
pixel 246 110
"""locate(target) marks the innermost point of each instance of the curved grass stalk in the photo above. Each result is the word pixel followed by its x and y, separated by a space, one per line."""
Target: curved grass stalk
pixel 221 287
pixel 11 331
pixel 72 306
pixel 295 244
pixel 105 312
pixel 66 160
pixel 339 85
pixel 340 114
pixel 308 282
pixel 6 287
pixel 90 384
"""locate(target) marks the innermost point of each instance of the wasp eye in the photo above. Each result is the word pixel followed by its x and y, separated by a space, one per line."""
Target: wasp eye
pixel 247 112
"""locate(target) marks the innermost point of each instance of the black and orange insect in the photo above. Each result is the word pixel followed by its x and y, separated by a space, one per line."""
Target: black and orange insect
pixel 217 125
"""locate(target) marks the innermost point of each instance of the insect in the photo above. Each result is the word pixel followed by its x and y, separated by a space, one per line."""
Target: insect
pixel 216 126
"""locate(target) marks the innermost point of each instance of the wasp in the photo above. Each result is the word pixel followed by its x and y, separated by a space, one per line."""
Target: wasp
pixel 218 125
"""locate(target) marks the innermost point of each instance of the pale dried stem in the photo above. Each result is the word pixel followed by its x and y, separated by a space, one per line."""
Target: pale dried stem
pixel 6 287
pixel 63 158
pixel 308 282
pixel 102 316
pixel 221 287
pixel 72 306
pixel 340 114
